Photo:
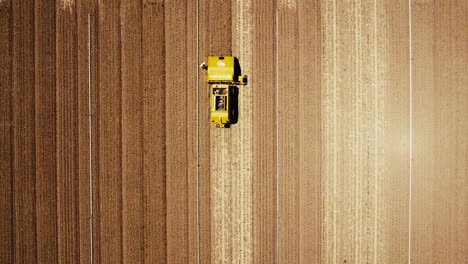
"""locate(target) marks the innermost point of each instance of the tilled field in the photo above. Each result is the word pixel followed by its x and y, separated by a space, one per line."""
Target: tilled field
pixel 350 145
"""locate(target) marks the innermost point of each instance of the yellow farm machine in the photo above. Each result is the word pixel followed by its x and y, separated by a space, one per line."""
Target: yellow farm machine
pixel 223 76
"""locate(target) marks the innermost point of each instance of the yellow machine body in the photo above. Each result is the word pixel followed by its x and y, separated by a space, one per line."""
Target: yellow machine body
pixel 220 104
pixel 223 75
pixel 222 69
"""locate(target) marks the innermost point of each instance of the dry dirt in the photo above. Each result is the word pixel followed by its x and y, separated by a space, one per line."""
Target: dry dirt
pixel 345 152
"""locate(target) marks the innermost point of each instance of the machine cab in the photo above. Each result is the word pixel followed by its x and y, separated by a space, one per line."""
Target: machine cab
pixel 220 104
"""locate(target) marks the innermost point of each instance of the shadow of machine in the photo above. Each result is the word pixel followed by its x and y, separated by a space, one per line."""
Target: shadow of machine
pixel 234 105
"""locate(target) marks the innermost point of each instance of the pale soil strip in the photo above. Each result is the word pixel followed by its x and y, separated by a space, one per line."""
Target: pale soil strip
pixel 358 131
pixel 220 27
pixel 354 122
pixel 329 105
pixel 67 5
pixel 288 124
pixel 422 209
pixel 393 179
pixel 425 182
pixel 220 197
pixel 241 145
pixel 220 207
pixel 372 118
pixel 309 181
pixel 379 105
pixel 220 217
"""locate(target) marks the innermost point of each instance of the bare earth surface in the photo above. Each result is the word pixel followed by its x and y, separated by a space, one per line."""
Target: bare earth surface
pixel 347 150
